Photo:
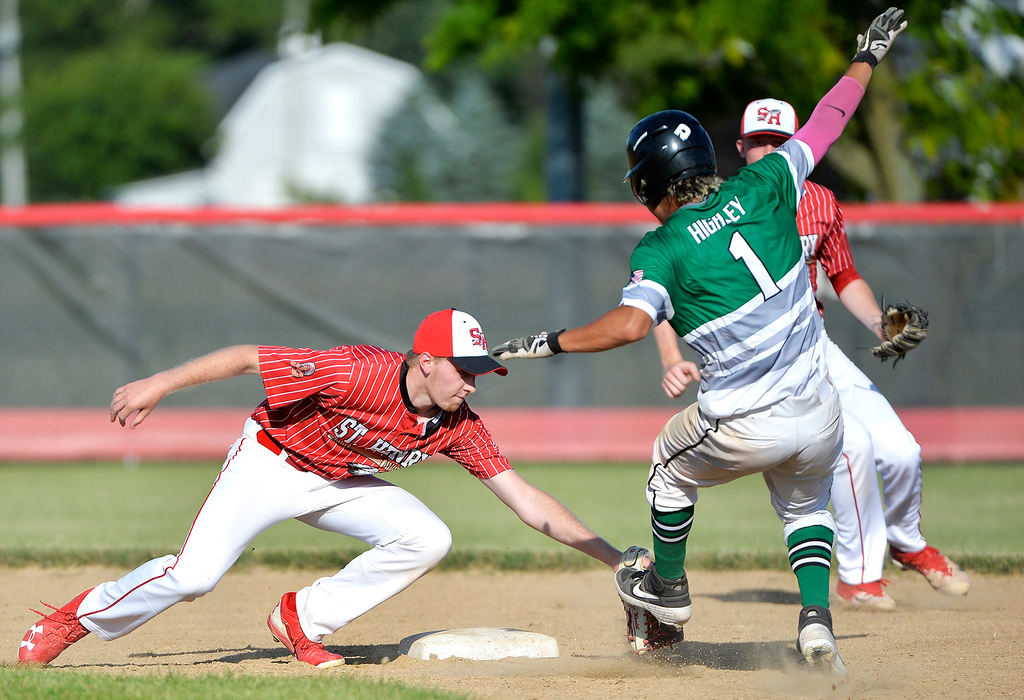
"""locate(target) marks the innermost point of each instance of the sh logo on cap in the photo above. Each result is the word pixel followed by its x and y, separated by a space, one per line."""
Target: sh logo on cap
pixel 459 337
pixel 768 116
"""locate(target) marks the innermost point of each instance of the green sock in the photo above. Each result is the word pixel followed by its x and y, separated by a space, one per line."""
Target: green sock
pixel 671 529
pixel 810 556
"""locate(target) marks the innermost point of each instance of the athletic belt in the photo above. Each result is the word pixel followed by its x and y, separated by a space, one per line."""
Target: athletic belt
pixel 263 438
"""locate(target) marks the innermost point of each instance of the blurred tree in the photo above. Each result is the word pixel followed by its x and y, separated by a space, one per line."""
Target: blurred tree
pixel 113 91
pixel 696 55
pixel 479 144
pixel 495 139
pixel 939 121
pixel 429 153
pixel 606 144
pixel 108 117
pixel 548 104
pixel 935 123
pixel 965 101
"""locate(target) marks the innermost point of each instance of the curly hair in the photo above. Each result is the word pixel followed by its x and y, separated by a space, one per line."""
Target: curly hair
pixel 694 189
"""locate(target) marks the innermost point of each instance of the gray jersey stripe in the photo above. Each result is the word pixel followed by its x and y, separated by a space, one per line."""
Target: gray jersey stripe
pixel 755 342
pixel 650 297
pixel 749 371
pixel 763 352
pixel 758 325
pixel 787 282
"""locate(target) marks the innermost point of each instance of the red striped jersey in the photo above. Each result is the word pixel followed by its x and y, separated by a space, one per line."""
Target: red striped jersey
pixel 823 235
pixel 347 414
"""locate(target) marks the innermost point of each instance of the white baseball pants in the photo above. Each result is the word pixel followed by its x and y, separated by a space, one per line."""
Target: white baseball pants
pixel 875 444
pixel 794 445
pixel 254 490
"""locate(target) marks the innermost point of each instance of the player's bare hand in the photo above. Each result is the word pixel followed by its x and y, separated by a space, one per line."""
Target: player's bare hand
pixel 635 557
pixel 131 403
pixel 543 344
pixel 677 378
pixel 873 44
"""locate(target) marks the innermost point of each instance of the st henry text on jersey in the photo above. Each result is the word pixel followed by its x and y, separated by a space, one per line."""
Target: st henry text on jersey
pixel 386 456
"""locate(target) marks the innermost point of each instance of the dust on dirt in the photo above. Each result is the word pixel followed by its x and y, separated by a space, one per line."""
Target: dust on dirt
pixel 739 644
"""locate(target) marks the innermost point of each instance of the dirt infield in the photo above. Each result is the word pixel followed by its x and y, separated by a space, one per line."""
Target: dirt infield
pixel 739 643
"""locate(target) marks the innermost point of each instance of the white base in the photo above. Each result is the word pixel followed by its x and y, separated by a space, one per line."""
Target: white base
pixel 479 644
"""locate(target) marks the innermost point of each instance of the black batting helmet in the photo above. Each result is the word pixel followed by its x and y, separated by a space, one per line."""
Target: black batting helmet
pixel 663 148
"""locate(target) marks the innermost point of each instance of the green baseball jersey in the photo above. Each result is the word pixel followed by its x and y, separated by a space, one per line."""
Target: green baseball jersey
pixel 729 276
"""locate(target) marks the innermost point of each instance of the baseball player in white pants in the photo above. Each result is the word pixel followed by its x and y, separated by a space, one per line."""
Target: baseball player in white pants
pixel 875 442
pixel 258 488
pixel 724 270
pixel 332 420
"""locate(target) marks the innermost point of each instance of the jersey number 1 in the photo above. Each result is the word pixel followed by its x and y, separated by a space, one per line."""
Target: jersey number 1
pixel 742 251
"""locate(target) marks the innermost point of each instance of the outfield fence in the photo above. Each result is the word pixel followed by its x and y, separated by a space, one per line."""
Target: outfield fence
pixel 93 296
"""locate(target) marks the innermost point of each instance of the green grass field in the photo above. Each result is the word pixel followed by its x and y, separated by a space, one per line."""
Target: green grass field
pixel 38 684
pixel 58 514
pixel 64 514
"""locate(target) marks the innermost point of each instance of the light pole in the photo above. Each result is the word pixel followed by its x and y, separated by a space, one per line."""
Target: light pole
pixel 13 185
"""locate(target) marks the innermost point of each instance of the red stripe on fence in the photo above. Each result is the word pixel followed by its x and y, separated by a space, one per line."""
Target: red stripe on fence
pixel 464 214
pixel 524 434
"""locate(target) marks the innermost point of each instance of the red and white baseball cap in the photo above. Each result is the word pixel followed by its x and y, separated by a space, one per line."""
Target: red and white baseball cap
pixel 768 116
pixel 459 337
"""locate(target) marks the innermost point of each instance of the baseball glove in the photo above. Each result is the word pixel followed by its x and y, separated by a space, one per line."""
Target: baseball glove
pixel 904 326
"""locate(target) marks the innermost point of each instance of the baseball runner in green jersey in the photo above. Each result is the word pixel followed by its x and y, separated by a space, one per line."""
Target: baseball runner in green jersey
pixel 726 270
pixel 731 269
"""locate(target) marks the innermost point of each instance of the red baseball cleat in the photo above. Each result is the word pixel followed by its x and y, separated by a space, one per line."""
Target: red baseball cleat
pixel 284 625
pixel 46 639
pixel 940 571
pixel 866 595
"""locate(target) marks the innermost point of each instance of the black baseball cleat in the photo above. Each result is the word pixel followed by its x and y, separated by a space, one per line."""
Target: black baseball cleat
pixel 817 643
pixel 667 599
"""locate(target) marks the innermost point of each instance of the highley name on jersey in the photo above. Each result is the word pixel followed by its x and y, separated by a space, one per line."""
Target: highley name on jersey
pixel 388 457
pixel 701 229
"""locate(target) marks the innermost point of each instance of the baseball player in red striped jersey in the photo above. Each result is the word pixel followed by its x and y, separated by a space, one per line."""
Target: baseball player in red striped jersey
pixel 332 421
pixel 875 441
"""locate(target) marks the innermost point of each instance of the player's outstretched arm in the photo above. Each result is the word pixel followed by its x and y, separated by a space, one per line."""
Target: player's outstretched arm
pixel 835 109
pixel 620 326
pixel 132 402
pixel 544 513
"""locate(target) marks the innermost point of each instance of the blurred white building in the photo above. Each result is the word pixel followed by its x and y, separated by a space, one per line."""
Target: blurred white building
pixel 304 130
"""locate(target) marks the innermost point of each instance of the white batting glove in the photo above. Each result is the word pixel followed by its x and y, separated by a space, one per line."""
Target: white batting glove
pixel 875 43
pixel 543 344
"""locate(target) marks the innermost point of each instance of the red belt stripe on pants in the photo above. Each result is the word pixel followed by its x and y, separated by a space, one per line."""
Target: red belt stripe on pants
pixel 263 438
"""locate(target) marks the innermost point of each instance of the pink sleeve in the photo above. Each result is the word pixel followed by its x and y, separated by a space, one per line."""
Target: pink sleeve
pixel 830 117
